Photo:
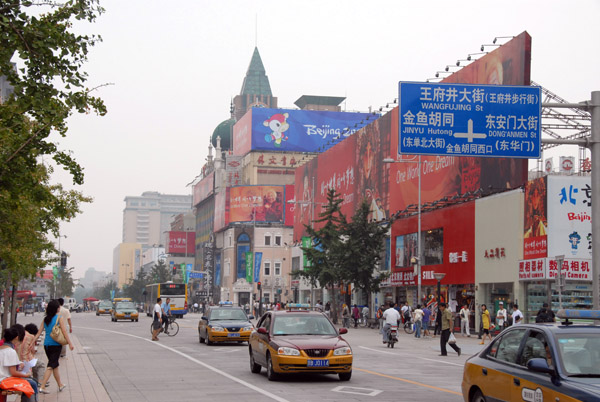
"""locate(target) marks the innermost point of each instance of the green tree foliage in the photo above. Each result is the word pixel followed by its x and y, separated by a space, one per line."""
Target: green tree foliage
pixel 41 57
pixel 136 287
pixel 160 273
pixel 364 249
pixel 103 293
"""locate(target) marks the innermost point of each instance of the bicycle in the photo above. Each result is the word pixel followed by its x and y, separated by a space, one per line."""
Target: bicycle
pixel 363 320
pixel 172 327
pixel 409 326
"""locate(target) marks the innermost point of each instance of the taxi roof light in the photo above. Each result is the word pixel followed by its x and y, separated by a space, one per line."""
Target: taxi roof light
pixel 226 304
pixel 298 306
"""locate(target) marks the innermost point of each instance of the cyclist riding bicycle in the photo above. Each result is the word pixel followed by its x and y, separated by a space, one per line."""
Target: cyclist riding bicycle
pixel 391 316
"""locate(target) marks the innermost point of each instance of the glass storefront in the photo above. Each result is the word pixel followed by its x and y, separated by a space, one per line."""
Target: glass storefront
pixel 576 295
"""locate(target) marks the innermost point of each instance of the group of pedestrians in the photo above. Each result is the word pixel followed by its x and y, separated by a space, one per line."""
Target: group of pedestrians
pixel 162 311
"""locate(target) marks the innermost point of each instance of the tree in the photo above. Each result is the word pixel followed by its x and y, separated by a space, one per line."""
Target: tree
pixel 364 249
pixel 41 58
pixel 160 273
pixel 137 286
pixel 104 293
pixel 63 284
pixel 326 256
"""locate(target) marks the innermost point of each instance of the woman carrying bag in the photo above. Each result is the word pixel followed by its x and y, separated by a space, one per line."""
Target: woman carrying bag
pixel 51 346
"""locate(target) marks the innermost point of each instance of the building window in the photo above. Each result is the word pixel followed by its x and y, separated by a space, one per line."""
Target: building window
pixel 277 268
pixel 267 298
pixel 295 264
pixel 267 240
pixel 267 268
pixel 227 268
pixel 229 240
pixel 278 240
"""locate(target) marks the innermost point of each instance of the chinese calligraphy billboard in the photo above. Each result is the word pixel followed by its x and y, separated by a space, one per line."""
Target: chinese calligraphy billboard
pixel 535 239
pixel 538 269
pixel 256 204
pixel 177 242
pixel 293 130
pixel 570 216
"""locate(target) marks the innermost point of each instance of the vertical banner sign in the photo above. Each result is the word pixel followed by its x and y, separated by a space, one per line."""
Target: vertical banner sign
pixel 306 243
pixel 249 266
pixel 257 262
pixel 218 270
pixel 183 273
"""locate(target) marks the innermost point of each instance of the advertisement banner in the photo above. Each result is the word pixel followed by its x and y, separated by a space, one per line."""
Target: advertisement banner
pixel 178 242
pixel 256 204
pixel 221 216
pixel 233 171
pixel 204 188
pixel 570 211
pixel 301 130
pixel 306 243
pixel 257 263
pixel 218 270
pixel 242 134
pixel 249 266
pixel 538 269
pixel 305 187
pixel 289 205
pixel 535 240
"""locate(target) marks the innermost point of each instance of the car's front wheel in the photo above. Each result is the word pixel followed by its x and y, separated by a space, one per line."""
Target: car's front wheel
pixel 255 368
pixel 345 376
pixel 478 397
pixel 271 374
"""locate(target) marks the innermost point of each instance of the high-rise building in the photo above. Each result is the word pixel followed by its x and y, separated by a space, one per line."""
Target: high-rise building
pixel 146 218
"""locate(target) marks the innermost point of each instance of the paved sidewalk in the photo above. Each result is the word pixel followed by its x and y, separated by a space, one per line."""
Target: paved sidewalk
pixel 77 372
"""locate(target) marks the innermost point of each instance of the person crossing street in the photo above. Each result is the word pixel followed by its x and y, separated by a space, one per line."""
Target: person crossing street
pixel 447 323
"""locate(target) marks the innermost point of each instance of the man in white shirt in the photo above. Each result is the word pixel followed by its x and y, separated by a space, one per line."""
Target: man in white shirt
pixel 417 316
pixel 501 316
pixel 391 316
pixel 464 320
pixel 157 323
pixel 517 316
pixel 66 314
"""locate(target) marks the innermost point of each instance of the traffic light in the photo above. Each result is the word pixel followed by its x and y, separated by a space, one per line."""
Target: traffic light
pixel 63 259
pixel 174 269
pixel 258 285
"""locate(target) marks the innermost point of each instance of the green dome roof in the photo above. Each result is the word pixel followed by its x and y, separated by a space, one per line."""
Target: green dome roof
pixel 225 131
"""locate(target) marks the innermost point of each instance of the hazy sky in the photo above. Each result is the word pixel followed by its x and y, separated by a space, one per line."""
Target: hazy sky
pixel 176 65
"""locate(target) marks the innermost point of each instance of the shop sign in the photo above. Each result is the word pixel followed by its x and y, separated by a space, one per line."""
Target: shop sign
pixel 456 257
pixel 497 252
pixel 547 269
pixel 405 278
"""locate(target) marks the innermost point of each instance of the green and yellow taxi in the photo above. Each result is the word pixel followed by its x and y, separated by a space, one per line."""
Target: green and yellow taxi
pixel 104 307
pixel 298 340
pixel 538 362
pixel 225 323
pixel 124 310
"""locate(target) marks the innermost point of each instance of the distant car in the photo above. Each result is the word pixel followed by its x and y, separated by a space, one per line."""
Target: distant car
pixel 104 307
pixel 299 341
pixel 225 323
pixel 538 362
pixel 124 310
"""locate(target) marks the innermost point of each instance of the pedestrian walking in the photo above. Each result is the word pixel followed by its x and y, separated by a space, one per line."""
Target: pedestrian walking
pixel 380 311
pixel 426 321
pixel 438 321
pixel 545 314
pixel 517 316
pixel 157 323
pixel 355 315
pixel 345 316
pixel 501 316
pixel 464 320
pixel 328 309
pixel 485 319
pixel 418 319
pixel 447 329
pixel 66 314
pixel 166 312
pixel 51 347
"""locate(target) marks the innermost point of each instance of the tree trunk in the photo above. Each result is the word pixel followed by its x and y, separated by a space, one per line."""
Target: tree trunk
pixel 6 306
pixel 334 309
pixel 13 306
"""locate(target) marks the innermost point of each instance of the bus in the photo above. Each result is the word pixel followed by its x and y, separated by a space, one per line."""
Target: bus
pixel 177 292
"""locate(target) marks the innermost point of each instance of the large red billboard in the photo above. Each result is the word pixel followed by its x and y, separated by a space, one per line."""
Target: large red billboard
pixel 535 238
pixel 305 187
pixel 177 242
pixel 242 135
pixel 204 188
pixel 256 204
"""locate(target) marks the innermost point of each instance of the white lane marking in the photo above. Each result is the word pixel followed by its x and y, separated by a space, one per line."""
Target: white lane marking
pixel 416 357
pixel 358 391
pixel 216 370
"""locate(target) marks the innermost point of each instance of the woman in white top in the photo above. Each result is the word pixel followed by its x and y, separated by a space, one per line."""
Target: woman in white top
pixel 10 364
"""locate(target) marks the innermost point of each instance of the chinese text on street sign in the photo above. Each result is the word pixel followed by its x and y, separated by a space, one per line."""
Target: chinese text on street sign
pixel 469 120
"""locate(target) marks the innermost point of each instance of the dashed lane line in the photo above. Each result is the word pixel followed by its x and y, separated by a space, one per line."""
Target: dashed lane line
pixel 201 363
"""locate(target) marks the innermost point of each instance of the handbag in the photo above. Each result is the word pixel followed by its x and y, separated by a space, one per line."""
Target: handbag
pixel 18 385
pixel 452 339
pixel 57 334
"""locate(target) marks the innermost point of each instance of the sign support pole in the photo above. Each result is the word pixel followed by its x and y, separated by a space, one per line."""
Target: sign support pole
pixel 595 148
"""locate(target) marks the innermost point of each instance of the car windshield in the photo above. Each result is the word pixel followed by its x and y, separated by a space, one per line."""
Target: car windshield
pixel 228 314
pixel 303 325
pixel 125 305
pixel 105 305
pixel 580 354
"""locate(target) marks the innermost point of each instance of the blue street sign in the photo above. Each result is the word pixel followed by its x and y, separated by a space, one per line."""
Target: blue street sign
pixel 196 275
pixel 469 120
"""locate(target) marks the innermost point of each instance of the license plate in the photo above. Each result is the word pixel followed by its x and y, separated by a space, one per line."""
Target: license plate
pixel 127 316
pixel 233 335
pixel 317 363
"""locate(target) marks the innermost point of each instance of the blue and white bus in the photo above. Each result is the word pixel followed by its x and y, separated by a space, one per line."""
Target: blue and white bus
pixel 177 292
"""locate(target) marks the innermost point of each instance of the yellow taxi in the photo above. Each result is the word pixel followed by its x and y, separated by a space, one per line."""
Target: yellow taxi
pixel 538 362
pixel 104 307
pixel 225 323
pixel 124 310
pixel 298 340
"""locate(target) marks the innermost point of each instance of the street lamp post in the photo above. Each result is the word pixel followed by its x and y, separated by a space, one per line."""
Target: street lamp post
pixel 416 261
pixel 438 277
